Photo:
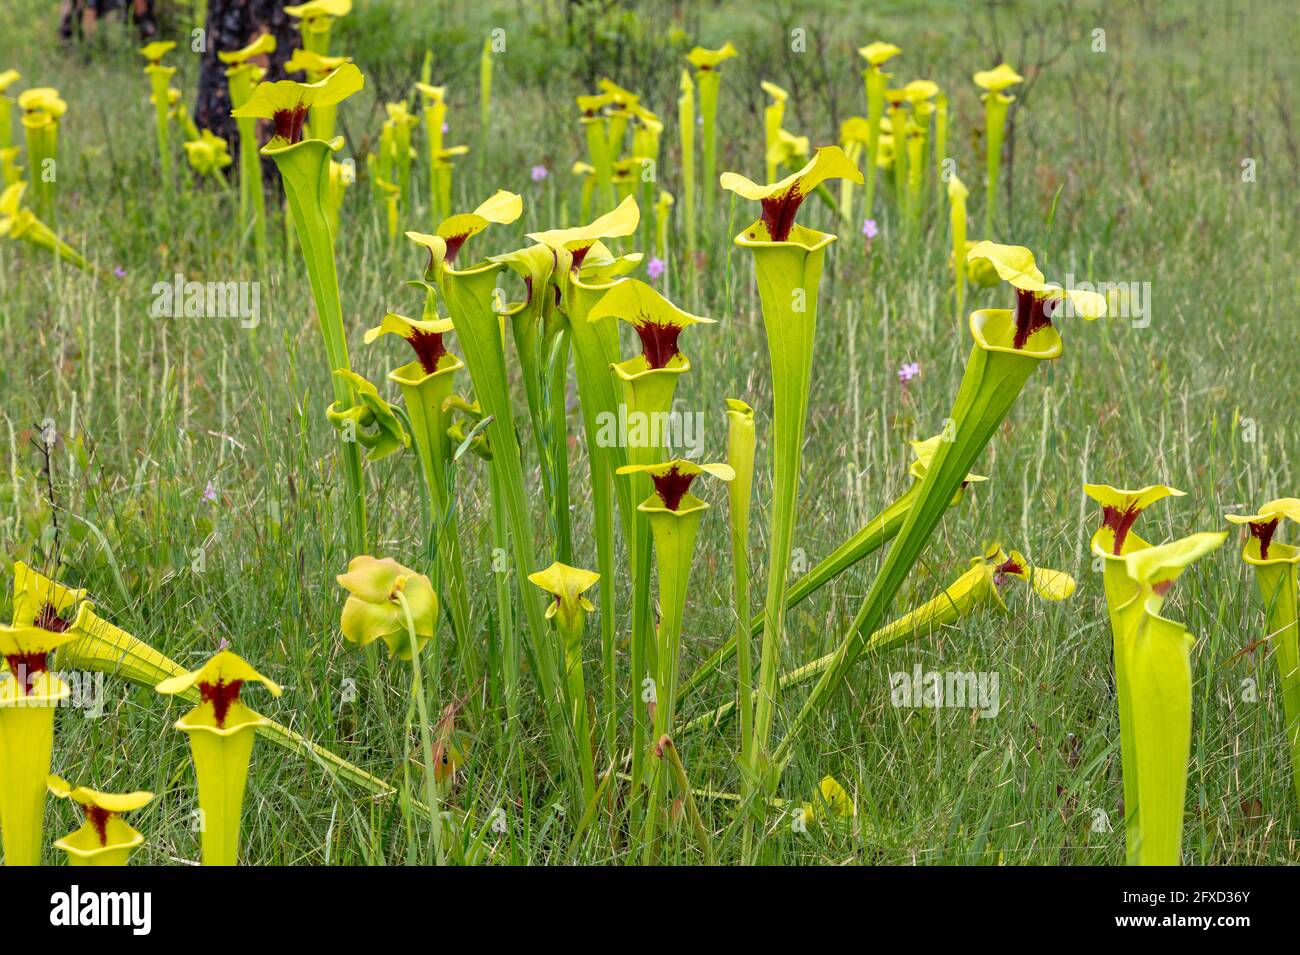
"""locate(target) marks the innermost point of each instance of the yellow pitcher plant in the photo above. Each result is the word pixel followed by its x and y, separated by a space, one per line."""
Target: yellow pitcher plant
pixel 221 730
pixel 304 166
pixel 242 76
pixel 7 103
pixel 1275 566
pixel 160 77
pixel 788 261
pixel 1157 658
pixel 104 839
pixel 994 82
pixel 568 610
pixel 876 79
pixel 29 694
pixel 315 19
pixel 707 78
pixel 43 109
pixel 674 515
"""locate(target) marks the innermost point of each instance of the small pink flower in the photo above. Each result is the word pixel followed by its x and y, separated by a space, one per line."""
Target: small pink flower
pixel 869 228
pixel 210 493
pixel 539 173
pixel 119 271
pixel 445 127
pixel 908 371
pixel 655 267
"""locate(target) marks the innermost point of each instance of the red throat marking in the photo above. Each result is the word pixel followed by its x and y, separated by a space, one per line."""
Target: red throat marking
pixel 429 349
pixel 221 695
pixel 671 486
pixel 1263 532
pixel 289 122
pixel 778 213
pixel 1120 522
pixel 98 817
pixel 26 666
pixel 49 619
pixel 658 341
pixel 1031 315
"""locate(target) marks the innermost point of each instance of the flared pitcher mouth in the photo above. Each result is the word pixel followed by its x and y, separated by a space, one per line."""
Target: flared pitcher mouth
pixel 756 236
pixel 994 330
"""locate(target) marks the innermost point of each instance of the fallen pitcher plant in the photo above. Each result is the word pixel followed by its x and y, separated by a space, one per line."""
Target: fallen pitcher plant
pixel 870 537
pixel 977 589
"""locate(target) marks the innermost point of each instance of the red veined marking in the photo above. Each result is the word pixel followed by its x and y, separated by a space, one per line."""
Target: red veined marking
pixel 1263 532
pixel 429 348
pixel 1120 522
pixel 454 242
pixel 288 122
pixel 26 666
pixel 658 340
pixel 671 486
pixel 221 695
pixel 1031 315
pixel 98 817
pixel 49 619
pixel 778 213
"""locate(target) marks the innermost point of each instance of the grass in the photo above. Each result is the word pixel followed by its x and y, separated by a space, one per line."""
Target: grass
pixel 1126 166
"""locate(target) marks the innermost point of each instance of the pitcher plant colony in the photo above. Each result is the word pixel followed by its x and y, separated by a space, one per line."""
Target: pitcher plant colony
pixel 592 634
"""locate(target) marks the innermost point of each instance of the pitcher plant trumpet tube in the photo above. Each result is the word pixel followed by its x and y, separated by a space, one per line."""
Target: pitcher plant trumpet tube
pixel 159 79
pixel 674 515
pixel 788 261
pixel 104 839
pixel 707 78
pixel 426 383
pixel 686 135
pixel 304 166
pixel 875 80
pixel 568 610
pixel 996 103
pixel 1111 543
pixel 221 729
pixel 29 694
pixel 43 110
pixel 7 103
pixel 1275 566
pixel 1157 659
pixel 315 19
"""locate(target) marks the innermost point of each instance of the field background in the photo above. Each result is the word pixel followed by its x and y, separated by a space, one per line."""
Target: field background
pixel 1126 167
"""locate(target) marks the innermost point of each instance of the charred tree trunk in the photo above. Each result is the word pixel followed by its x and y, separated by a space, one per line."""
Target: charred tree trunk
pixel 233 24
